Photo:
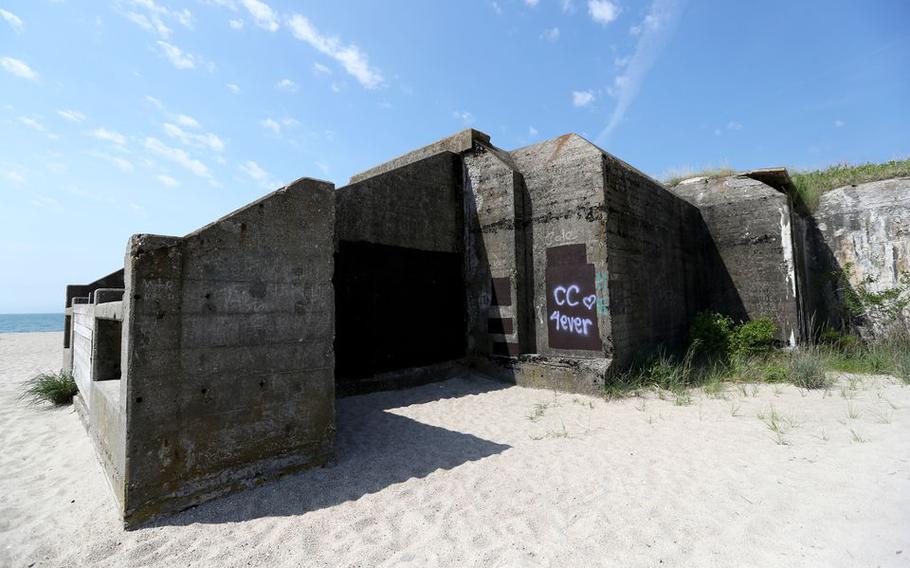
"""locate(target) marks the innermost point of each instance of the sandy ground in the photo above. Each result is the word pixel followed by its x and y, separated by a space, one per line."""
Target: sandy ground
pixel 472 472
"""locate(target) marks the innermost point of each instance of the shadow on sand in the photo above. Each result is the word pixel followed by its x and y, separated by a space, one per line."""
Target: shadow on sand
pixel 374 449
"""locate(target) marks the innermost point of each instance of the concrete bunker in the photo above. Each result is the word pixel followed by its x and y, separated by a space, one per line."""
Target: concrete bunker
pixel 551 265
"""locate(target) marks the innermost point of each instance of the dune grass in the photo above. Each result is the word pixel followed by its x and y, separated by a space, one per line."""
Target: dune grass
pixel 810 185
pixel 722 354
pixel 686 173
pixel 57 388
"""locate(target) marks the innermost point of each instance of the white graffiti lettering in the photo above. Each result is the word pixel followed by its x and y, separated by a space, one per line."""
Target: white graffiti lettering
pixel 571 324
pixel 566 293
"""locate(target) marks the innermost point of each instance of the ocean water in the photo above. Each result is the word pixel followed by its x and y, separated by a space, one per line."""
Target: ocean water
pixel 24 323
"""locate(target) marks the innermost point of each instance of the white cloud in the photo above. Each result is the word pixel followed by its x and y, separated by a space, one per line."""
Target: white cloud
pixel 18 68
pixel 272 125
pixel 205 140
pixel 652 21
pixel 229 4
pixel 12 19
pixel 602 11
pixel 46 202
pixel 582 98
pixel 839 123
pixel 733 125
pixel 257 174
pixel 253 170
pixel 152 24
pixel 658 28
pixel 236 24
pixel 464 116
pixel 176 56
pixel 14 176
pixel 108 136
pixel 179 157
pixel 349 56
pixel 167 181
pixel 567 6
pixel 532 3
pixel 150 16
pixel 120 163
pixel 262 13
pixel 233 88
pixel 320 69
pixel 56 167
pixel 550 35
pixel 496 7
pixel 187 121
pixel 286 85
pixel 532 131
pixel 154 102
pixel 71 115
pixel 32 123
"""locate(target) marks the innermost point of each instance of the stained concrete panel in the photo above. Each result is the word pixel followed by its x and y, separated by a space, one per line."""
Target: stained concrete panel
pixel 866 228
pixel 496 255
pixel 658 247
pixel 218 396
pixel 751 226
pixel 564 178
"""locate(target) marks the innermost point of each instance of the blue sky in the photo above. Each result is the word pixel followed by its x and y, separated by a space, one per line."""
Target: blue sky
pixel 157 116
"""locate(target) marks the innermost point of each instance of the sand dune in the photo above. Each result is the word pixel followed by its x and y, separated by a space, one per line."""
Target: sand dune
pixel 474 472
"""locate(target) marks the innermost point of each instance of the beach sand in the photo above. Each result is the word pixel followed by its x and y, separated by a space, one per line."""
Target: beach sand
pixel 474 472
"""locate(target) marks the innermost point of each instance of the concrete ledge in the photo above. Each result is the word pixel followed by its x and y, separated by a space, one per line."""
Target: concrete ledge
pixel 565 374
pixel 109 310
pixel 225 482
pixel 457 143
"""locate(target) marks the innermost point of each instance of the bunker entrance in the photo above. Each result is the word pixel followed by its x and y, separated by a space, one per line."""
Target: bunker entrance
pixel 395 308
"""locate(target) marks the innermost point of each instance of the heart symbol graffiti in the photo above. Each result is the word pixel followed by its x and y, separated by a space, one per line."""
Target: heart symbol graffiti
pixel 589 301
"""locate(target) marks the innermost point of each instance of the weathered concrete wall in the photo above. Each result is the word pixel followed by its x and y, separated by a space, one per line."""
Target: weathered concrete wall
pixel 97 344
pixel 399 284
pixel 83 332
pixel 462 141
pixel 415 206
pixel 113 280
pixel 499 310
pixel 751 226
pixel 566 233
pixel 866 228
pixel 658 249
pixel 228 352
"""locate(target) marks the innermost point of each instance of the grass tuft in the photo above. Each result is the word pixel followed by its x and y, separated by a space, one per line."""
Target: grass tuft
pixel 687 173
pixel 808 371
pixel 57 388
pixel 810 185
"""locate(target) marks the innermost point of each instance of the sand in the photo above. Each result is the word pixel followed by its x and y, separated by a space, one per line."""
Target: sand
pixel 474 472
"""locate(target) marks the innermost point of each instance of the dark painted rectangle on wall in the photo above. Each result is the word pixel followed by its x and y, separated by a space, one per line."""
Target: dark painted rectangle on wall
pixel 502 291
pixel 395 308
pixel 571 300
